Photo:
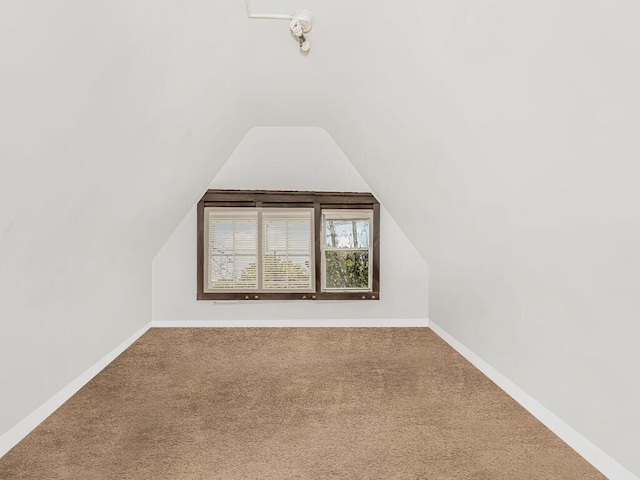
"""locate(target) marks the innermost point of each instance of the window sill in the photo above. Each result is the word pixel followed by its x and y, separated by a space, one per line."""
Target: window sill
pixel 252 297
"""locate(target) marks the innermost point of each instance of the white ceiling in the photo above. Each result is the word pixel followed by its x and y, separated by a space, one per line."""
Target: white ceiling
pixel 153 96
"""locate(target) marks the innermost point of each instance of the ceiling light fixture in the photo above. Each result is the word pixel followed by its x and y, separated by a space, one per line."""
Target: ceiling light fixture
pixel 300 24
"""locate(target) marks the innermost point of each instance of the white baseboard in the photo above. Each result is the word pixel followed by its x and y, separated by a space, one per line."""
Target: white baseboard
pixel 398 322
pixel 595 456
pixel 35 418
pixel 599 459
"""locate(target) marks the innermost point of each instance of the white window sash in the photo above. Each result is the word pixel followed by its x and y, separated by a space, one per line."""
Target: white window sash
pixel 344 214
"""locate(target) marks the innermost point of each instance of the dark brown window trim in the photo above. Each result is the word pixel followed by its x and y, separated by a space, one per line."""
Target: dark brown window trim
pixel 291 199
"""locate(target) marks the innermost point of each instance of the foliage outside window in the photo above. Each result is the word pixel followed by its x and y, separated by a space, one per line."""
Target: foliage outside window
pixel 255 245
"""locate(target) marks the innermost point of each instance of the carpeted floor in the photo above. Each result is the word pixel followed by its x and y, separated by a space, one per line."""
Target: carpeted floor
pixel 280 404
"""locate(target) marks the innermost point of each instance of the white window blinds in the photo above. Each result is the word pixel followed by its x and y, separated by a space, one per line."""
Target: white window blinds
pixel 232 244
pixel 287 249
pixel 259 250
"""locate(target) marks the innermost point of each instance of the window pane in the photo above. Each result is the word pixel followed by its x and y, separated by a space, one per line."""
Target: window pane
pixel 299 237
pixel 347 270
pixel 291 236
pixel 233 272
pixel 287 250
pixel 229 236
pixel 347 233
pixel 282 272
pixel 232 249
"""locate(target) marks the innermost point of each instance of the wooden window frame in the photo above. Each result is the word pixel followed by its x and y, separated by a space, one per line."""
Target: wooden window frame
pixel 292 199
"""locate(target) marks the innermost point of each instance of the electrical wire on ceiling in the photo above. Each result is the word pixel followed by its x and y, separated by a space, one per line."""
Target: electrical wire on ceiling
pixel 271 16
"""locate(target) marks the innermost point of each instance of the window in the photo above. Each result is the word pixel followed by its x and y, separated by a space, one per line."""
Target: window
pixel 232 240
pixel 260 245
pixel 259 250
pixel 287 250
pixel 346 250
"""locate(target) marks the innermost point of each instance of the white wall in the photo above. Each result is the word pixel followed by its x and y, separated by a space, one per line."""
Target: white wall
pixel 293 158
pixel 99 102
pixel 510 130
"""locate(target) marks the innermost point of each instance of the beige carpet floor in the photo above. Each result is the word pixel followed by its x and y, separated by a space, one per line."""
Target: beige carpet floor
pixel 309 404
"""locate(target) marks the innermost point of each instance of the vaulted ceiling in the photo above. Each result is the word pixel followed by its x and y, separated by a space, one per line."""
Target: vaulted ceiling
pixel 500 134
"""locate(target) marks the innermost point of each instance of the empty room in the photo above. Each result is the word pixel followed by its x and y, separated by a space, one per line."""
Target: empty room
pixel 304 239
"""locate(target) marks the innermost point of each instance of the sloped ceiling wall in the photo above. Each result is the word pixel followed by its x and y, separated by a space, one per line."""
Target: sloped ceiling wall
pixel 109 112
pixel 501 135
pixel 503 138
